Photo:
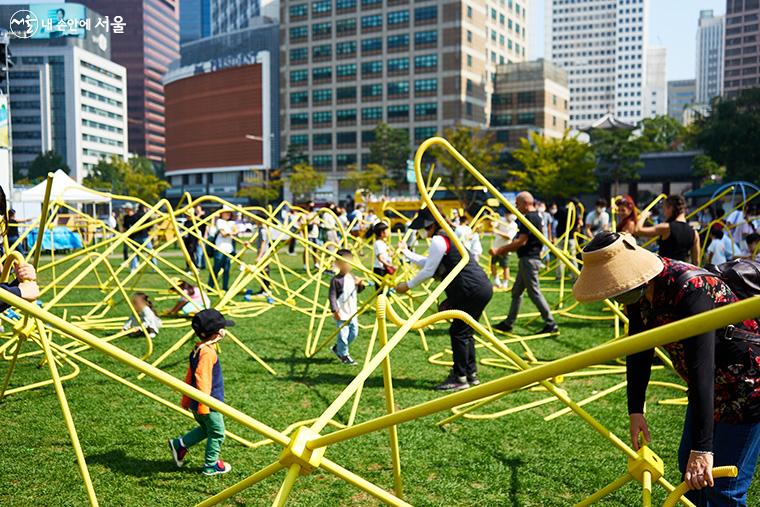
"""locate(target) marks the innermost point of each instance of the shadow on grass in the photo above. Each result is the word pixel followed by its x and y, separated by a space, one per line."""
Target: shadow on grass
pixel 119 462
pixel 513 463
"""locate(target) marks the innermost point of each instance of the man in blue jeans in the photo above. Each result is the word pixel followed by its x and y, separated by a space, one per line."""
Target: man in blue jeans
pixel 226 230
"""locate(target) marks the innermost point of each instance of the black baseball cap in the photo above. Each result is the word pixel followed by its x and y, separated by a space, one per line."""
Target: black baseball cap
pixel 209 321
pixel 423 220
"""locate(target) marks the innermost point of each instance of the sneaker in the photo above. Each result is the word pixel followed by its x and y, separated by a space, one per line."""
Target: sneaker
pixel 220 467
pixel 348 360
pixel 497 282
pixel 334 350
pixel 178 452
pixel 473 380
pixel 549 329
pixel 453 383
pixel 503 326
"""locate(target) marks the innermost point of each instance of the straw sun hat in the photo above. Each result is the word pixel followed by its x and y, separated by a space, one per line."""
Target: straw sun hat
pixel 614 269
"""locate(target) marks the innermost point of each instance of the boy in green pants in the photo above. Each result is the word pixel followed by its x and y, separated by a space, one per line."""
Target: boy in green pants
pixel 205 374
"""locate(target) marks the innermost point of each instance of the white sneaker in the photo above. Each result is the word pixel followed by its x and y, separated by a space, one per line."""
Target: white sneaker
pixel 497 282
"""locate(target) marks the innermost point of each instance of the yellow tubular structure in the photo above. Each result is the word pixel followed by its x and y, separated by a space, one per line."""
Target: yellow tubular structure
pixel 682 488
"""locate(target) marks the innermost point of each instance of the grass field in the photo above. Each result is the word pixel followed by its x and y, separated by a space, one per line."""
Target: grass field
pixel 517 460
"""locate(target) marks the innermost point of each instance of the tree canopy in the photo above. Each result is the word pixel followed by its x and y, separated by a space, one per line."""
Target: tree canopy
pixel 262 188
pixel 44 163
pixel 372 177
pixel 661 133
pixel 134 178
pixel 618 155
pixel 390 149
pixel 304 180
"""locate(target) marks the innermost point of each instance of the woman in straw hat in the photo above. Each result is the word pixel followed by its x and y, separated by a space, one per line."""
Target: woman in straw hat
pixel 722 424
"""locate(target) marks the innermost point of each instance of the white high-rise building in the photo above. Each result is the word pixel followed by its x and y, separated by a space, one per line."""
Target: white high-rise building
pixel 656 90
pixel 602 44
pixel 709 56
pixel 231 15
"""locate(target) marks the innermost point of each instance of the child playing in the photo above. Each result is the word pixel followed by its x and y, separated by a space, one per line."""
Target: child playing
pixel 383 264
pixel 191 301
pixel 343 289
pixel 716 252
pixel 145 315
pixel 205 374
pixel 753 242
pixel 504 230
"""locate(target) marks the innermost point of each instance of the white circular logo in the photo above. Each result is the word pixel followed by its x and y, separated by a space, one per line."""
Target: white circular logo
pixel 24 24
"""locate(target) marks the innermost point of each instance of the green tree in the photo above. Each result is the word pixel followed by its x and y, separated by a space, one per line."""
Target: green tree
pixel 480 149
pixel 304 180
pixel 294 155
pixel 44 163
pixel 135 178
pixel 262 188
pixel 372 177
pixel 390 149
pixel 554 168
pixel 661 133
pixel 618 155
pixel 708 170
pixel 730 135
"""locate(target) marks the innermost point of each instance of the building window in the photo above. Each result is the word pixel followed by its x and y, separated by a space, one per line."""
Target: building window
pixel 368 136
pixel 493 13
pixel 424 38
pixel 321 73
pixel 346 93
pixel 346 71
pixel 523 118
pixel 526 97
pixel 321 30
pixel 426 62
pixel 372 113
pixel 426 14
pixel 426 85
pixel 345 48
pixel 323 51
pixel 398 88
pixel 398 112
pixel 346 115
pixel 372 45
pixel 299 140
pixel 299 98
pixel 422 133
pixel 372 91
pixel 374 68
pixel 299 119
pixel 372 22
pixel 321 117
pixel 398 42
pixel 425 109
pixel 501 120
pixel 299 11
pixel 299 76
pixel 346 159
pixel 322 139
pixel 369 4
pixel 345 27
pixel 468 86
pixel 322 161
pixel 321 7
pixel 469 60
pixel 344 5
pixel 322 95
pixel 469 36
pixel 299 33
pixel 398 64
pixel 299 55
pixel 469 12
pixel 396 18
pixel 345 138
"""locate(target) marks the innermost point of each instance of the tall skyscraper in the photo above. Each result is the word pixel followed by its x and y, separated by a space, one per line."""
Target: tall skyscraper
pixel 194 20
pixel 742 32
pixel 681 96
pixel 230 15
pixel 656 96
pixel 709 56
pixel 603 47
pixel 424 66
pixel 150 42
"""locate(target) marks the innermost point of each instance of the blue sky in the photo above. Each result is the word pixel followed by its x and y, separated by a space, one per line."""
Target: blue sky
pixel 672 25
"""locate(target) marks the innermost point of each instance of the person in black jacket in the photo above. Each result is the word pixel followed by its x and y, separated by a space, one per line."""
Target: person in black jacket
pixel 470 291
pixel 722 424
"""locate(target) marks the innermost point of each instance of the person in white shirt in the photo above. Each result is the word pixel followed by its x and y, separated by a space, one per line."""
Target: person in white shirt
pixel 469 238
pixel 225 230
pixel 716 251
pixel 504 231
pixel 382 263
pixel 598 220
pixel 356 220
pixel 146 316
pixel 342 295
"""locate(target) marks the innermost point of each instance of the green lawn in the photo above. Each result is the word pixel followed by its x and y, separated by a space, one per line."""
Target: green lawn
pixel 516 460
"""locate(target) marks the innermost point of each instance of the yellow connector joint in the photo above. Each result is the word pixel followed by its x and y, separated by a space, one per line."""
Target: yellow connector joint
pixel 646 462
pixel 297 453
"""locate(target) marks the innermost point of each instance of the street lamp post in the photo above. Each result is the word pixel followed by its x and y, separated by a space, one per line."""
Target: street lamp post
pixel 252 137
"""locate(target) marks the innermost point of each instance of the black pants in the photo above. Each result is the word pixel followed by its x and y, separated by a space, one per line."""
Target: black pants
pixel 462 341
pixel 380 271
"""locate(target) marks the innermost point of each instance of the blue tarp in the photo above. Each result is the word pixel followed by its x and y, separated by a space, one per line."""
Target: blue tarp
pixel 64 239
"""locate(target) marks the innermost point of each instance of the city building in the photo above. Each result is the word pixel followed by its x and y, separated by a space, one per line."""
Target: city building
pixel 222 113
pixel 529 97
pixel 230 15
pixel 194 20
pixel 656 90
pixel 603 47
pixel 681 95
pixel 350 64
pixel 66 95
pixel 709 56
pixel 741 70
pixel 148 44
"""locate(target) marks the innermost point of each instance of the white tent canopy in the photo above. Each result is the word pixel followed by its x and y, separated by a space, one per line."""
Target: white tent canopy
pixel 64 189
